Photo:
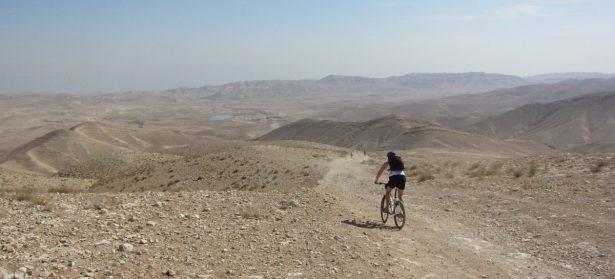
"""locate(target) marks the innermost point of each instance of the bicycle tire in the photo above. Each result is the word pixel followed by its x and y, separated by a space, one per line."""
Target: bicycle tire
pixel 399 216
pixel 383 215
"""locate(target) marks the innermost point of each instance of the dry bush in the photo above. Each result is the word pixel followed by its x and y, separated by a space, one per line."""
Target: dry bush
pixel 424 175
pixel 34 199
pixel 560 159
pixel 494 168
pixel 252 214
pixel 474 166
pixel 597 166
pixel 516 172
pixel 24 196
pixel 478 170
pixel 533 169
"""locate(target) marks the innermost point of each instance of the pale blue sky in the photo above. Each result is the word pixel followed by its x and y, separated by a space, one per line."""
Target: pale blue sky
pixel 106 45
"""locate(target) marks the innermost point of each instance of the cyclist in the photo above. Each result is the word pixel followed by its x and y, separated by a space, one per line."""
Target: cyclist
pixel 397 177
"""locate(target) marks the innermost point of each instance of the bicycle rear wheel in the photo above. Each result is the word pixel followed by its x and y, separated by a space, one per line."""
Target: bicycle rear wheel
pixel 399 215
pixel 384 214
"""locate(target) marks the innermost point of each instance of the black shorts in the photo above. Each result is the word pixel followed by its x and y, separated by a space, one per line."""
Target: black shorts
pixel 398 181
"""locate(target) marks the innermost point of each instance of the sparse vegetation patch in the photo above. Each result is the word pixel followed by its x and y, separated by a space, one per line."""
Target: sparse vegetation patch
pixel 533 169
pixel 598 166
pixel 424 175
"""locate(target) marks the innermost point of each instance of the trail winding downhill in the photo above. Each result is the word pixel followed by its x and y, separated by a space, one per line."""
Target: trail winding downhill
pixel 431 245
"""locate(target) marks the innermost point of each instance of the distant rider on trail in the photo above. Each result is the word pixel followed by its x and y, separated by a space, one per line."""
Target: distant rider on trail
pixel 397 177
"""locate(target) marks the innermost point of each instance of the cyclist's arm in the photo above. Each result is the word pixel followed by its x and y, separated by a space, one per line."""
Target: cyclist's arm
pixel 380 171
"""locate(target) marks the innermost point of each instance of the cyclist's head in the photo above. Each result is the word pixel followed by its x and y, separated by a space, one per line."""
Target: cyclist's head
pixel 390 154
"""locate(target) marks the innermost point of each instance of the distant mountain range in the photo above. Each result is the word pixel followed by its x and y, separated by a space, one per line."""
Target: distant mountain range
pixel 557 77
pixel 392 132
pixel 418 85
pixel 584 123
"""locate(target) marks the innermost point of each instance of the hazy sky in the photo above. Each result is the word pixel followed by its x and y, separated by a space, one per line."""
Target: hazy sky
pixel 107 45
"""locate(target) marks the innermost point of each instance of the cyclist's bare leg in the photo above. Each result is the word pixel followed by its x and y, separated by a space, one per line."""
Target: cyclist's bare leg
pixel 400 194
pixel 387 195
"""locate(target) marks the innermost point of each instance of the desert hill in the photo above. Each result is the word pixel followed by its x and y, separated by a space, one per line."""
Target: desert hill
pixel 78 144
pixel 459 112
pixel 257 166
pixel 587 120
pixel 391 132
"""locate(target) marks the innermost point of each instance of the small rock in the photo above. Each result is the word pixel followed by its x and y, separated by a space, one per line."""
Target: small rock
pixel 289 203
pixel 170 273
pixel 158 204
pixel 126 247
pixel 142 241
pixel 586 246
pixel 102 242
pixel 151 223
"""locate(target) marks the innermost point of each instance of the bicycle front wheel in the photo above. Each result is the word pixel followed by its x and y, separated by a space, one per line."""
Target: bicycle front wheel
pixel 399 215
pixel 384 212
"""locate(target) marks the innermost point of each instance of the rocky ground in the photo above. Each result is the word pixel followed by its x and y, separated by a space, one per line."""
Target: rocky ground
pixel 468 217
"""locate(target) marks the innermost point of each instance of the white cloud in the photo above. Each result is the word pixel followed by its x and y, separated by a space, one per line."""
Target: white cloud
pixel 502 13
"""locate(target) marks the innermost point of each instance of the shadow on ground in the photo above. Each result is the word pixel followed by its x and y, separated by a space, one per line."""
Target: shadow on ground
pixel 368 224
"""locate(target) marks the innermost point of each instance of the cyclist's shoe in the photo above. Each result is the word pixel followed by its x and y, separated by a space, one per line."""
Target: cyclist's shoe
pixel 386 210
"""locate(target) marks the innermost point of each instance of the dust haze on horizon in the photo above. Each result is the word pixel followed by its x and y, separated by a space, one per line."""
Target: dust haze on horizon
pixel 85 46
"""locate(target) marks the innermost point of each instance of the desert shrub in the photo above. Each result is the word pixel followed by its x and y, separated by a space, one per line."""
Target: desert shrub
pixel 34 199
pixel 595 169
pixel 474 166
pixel 449 174
pixel 597 166
pixel 252 214
pixel 476 170
pixel 533 169
pixel 494 168
pixel 424 175
pixel 516 172
pixel 24 196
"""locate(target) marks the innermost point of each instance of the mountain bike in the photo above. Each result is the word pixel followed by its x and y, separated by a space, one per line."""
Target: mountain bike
pixel 396 208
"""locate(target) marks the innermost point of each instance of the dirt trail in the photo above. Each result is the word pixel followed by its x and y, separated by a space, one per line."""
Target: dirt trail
pixel 430 245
